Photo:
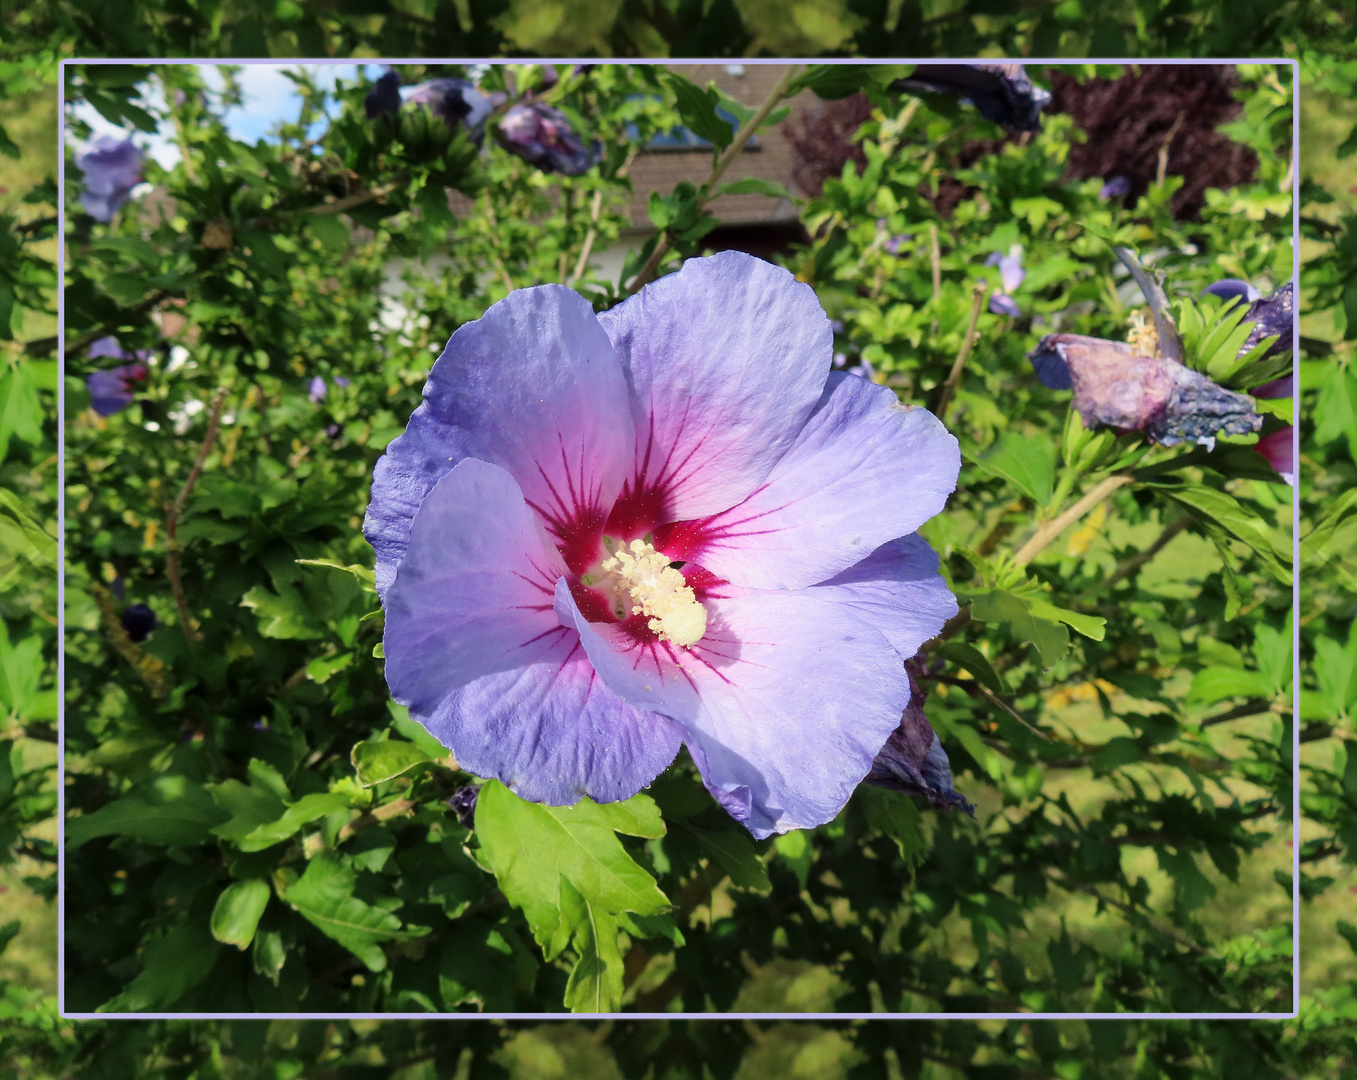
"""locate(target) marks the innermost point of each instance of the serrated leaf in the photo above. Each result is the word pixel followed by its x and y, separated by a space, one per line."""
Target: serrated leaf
pixel 1091 626
pixel 323 896
pixel 595 983
pixel 282 615
pixel 529 848
pixel 170 811
pixel 752 185
pixel 733 850
pixel 305 810
pixel 171 966
pixel 375 762
pixel 973 660
pixel 236 915
pixel 697 107
pixel 1028 464
pixel 1213 684
pixel 1051 639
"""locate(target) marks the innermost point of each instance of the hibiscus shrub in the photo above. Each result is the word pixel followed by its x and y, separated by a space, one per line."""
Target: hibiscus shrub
pixel 291 761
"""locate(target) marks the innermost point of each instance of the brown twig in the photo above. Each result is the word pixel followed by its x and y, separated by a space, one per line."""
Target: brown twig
pixel 666 240
pixel 954 376
pixel 1163 169
pixel 1170 342
pixel 173 510
pixel 978 689
pixel 935 257
pixel 582 263
pixel 1052 529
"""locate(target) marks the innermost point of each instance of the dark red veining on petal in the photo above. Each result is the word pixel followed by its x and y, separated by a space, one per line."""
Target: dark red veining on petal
pixel 703 582
pixel 636 512
pixel 592 603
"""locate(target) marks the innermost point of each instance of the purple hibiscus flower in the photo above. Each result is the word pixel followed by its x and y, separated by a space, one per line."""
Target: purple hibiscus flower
pixel 603 536
pixel 112 168
pixel 541 135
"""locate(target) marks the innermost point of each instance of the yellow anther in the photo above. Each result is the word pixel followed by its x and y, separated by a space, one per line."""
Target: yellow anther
pixel 644 578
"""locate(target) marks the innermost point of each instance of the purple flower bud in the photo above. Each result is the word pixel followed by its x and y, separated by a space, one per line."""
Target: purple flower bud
pixel 1284 387
pixel 896 244
pixel 1274 315
pixel 541 135
pixel 455 102
pixel 1280 452
pixel 342 381
pixel 332 431
pixel 836 326
pixel 139 621
pixel 913 760
pixel 1115 387
pixel 463 803
pixel 317 389
pixel 385 95
pixel 112 168
pixel 1117 187
pixel 1002 92
pixel 1000 303
pixel 112 390
pixel 840 359
pixel 1232 289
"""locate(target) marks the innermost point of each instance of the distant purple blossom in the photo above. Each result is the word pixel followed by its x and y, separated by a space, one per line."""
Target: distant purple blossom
pixel 585 565
pixel 1116 187
pixel 317 389
pixel 113 389
pixel 112 168
pixel 895 244
pixel 1001 303
pixel 541 135
pixel 1011 272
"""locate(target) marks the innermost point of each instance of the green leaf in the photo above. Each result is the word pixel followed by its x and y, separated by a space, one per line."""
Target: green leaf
pixel 732 849
pixel 530 848
pixel 973 660
pixel 1091 626
pixel 697 108
pixel 1214 684
pixel 416 732
pixel 1219 508
pixel 1026 463
pixel 1336 407
pixel 171 811
pixel 171 966
pixel 595 983
pixel 366 576
pixel 751 185
pixel 304 811
pixel 323 896
pixel 320 669
pixel 250 806
pixel 375 762
pixel 332 233
pixel 284 615
pixel 895 814
pixel 238 911
pixel 1050 638
pixel 20 410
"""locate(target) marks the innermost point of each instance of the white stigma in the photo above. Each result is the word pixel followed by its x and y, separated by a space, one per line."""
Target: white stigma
pixel 655 588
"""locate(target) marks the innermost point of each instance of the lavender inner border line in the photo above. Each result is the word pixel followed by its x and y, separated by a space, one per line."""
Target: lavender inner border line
pixel 1294 65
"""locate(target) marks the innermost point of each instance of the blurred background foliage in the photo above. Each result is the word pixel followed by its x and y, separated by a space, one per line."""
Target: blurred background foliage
pixel 1321 1042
